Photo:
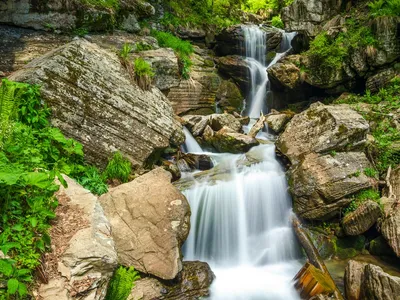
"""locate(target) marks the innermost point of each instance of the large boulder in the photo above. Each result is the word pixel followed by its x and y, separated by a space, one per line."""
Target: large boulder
pixel 286 73
pixel 362 219
pixel 197 95
pixel 83 256
pixel 150 220
pixel 228 140
pixel 277 121
pixel 321 183
pixel 236 68
pixel 230 41
pixel 381 79
pixel 165 65
pixel 229 97
pixel 320 129
pixel 191 284
pixel 94 101
pixel 219 121
pixel 367 281
pixel 309 16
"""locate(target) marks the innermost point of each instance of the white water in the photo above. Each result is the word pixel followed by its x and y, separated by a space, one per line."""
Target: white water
pixel 190 145
pixel 256 51
pixel 240 224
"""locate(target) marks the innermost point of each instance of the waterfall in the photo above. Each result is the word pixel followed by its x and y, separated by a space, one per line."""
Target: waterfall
pixel 190 145
pixel 240 219
pixel 256 52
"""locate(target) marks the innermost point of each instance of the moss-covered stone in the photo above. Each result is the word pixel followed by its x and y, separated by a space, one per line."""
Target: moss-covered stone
pixel 324 242
pixel 380 247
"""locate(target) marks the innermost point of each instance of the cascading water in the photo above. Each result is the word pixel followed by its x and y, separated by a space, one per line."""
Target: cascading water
pixel 256 51
pixel 190 145
pixel 240 222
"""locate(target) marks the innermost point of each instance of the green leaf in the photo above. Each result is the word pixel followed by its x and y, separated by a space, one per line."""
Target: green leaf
pixel 22 290
pixel 33 221
pixel 12 286
pixel 7 246
pixel 61 179
pixel 18 227
pixel 57 135
pixel 41 180
pixel 40 245
pixel 10 178
pixel 6 267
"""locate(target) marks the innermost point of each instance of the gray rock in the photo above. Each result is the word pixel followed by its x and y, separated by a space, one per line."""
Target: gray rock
pixel 235 67
pixel 380 79
pixel 277 121
pixel 320 129
pixel 362 219
pixel 191 284
pixel 82 263
pixel 150 220
pixel 94 101
pixel 353 279
pixel 229 97
pixel 218 121
pixel 321 183
pixel 379 285
pixel 130 23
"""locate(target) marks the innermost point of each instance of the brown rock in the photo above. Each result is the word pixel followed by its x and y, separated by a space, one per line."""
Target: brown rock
pixel 362 219
pixel 353 279
pixel 277 122
pixel 150 221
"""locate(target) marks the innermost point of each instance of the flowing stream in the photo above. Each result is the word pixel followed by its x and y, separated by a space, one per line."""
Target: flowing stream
pixel 240 222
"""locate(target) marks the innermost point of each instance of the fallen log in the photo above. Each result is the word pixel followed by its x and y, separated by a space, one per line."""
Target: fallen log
pixel 314 278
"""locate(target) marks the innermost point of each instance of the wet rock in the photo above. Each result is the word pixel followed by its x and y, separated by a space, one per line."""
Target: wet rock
pixel 191 284
pixel 196 124
pixel 218 121
pixel 323 241
pixel 165 65
pixel 321 183
pixel 277 121
pixel 259 125
pixel 191 33
pixel 273 38
pixel 227 140
pixel 386 30
pixel 309 16
pixel 197 95
pixel 198 161
pixel 286 74
pixel 94 101
pixel 230 41
pixel 236 68
pixel 84 257
pixel 320 129
pixel 229 97
pixel 362 219
pixel 300 43
pixel 380 247
pixel 150 220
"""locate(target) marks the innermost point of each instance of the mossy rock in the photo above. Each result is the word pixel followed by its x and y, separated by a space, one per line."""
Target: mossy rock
pixel 346 253
pixel 380 247
pixel 324 242
pixel 356 242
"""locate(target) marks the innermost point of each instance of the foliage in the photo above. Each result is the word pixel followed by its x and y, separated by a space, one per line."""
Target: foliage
pixel 118 168
pixel 102 3
pixel 384 7
pixel 277 22
pixel 93 181
pixel 142 47
pixel 361 197
pixel 371 172
pixel 125 50
pixel 183 49
pixel 81 31
pixel 143 73
pixel 122 283
pixel 380 115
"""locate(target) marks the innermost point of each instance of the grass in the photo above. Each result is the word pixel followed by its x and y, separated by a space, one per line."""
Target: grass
pixel 114 4
pixel 143 73
pixel 277 22
pixel 360 198
pixel 118 168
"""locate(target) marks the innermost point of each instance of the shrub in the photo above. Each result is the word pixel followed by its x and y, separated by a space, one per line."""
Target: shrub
pixel 277 22
pixel 122 283
pixel 92 180
pixel 118 168
pixel 385 7
pixel 361 197
pixel 370 172
pixel 143 73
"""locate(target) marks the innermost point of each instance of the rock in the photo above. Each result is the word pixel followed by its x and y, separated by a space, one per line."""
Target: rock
pixel 277 122
pixel 286 74
pixel 320 129
pixel 236 68
pixel 273 37
pixel 165 65
pixel 362 219
pixel 191 33
pixel 218 121
pixel 191 284
pixel 229 97
pixel 353 279
pixel 130 23
pixel 380 247
pixel 93 101
pixel 309 15
pixel 259 125
pixel 197 95
pixel 300 43
pixel 321 183
pixel 227 140
pixel 386 30
pixel 379 285
pixel 84 257
pixel 230 41
pixel 358 61
pixel 196 124
pixel 198 161
pixel 150 220
pixel 323 241
pixel 380 80
pixel 349 246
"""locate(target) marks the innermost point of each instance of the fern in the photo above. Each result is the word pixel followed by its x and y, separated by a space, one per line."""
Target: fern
pixel 122 283
pixel 118 168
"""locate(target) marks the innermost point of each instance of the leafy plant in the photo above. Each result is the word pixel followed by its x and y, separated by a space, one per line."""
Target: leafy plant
pixel 385 7
pixel 143 73
pixel 125 50
pixel 118 168
pixel 277 22
pixel 371 172
pixel 93 181
pixel 361 197
pixel 333 153
pixel 122 283
pixel 143 47
pixel 81 31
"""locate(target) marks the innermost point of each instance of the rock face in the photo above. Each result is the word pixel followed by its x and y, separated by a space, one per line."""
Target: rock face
pixel 362 219
pixel 320 129
pixel 150 220
pixel 165 64
pixel 83 256
pixel 320 183
pixel 193 283
pixel 380 79
pixel 230 41
pixel 227 140
pixel 285 73
pixel 309 15
pixel 235 67
pixel 367 281
pixel 197 95
pixel 94 102
pixel 229 97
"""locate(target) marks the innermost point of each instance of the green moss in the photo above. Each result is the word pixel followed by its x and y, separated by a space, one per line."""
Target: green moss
pixel 355 242
pixel 361 197
pixel 380 247
pixel 346 253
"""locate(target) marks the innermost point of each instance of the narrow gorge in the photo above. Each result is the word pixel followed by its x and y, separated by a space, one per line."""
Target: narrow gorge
pixel 223 150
